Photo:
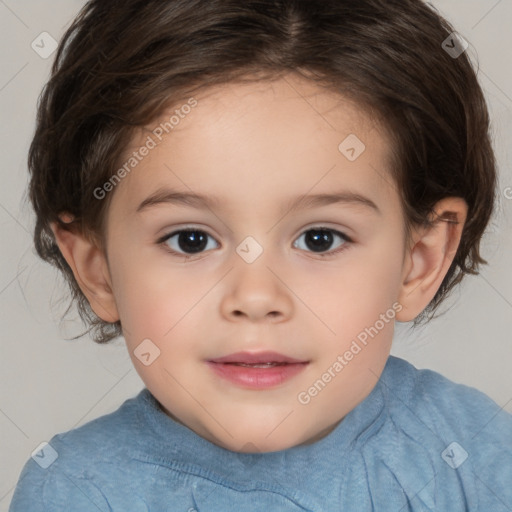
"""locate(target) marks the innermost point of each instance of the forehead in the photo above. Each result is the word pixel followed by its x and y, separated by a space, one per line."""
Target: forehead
pixel 261 137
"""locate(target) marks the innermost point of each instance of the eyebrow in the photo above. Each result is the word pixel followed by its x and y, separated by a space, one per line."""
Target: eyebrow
pixel 168 196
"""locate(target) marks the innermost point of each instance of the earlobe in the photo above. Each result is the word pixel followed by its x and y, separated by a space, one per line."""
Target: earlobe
pixel 429 258
pixel 90 269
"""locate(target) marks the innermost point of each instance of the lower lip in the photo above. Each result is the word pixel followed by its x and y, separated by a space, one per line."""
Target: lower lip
pixel 257 378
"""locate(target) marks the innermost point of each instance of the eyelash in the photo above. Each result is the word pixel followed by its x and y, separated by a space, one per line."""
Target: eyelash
pixel 343 247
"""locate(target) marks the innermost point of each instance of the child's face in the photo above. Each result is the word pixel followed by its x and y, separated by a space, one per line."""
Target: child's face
pixel 254 149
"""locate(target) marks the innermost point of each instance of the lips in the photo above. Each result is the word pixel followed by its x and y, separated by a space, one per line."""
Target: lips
pixel 256 371
pixel 259 359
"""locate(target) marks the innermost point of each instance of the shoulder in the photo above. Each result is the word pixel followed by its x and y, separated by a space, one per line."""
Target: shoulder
pixel 444 405
pixel 463 432
pixel 67 467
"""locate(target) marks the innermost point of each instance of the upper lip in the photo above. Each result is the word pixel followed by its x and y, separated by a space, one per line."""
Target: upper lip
pixel 255 358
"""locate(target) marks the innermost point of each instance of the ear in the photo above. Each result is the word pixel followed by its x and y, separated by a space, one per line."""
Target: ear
pixel 429 257
pixel 90 268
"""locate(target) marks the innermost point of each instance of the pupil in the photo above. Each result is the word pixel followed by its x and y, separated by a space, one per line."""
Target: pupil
pixel 192 241
pixel 321 240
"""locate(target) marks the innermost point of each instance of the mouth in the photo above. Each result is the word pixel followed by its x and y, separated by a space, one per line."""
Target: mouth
pixel 257 358
pixel 257 370
pixel 257 365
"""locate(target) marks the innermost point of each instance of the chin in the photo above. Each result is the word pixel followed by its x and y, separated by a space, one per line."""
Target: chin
pixel 259 443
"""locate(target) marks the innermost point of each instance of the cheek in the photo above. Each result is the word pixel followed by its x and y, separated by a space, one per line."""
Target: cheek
pixel 379 266
pixel 153 298
pixel 351 297
pixel 364 284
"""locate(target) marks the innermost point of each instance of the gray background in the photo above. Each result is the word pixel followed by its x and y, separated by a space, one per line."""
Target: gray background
pixel 49 385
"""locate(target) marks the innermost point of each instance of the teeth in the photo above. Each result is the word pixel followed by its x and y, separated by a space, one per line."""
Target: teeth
pixel 258 365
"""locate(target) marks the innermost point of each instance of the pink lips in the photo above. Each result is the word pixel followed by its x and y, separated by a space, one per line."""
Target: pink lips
pixel 258 370
pixel 259 357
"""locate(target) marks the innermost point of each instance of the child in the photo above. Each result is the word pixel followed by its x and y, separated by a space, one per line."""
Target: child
pixel 255 132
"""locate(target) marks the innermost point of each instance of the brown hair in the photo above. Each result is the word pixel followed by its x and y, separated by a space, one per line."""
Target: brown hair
pixel 122 62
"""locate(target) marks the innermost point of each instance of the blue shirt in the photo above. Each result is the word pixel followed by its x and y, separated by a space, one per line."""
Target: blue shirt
pixel 418 442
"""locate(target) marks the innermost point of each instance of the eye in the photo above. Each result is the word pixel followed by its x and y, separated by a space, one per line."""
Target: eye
pixel 321 239
pixel 192 241
pixel 186 241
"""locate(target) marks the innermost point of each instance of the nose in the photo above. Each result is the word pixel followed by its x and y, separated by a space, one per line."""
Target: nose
pixel 256 293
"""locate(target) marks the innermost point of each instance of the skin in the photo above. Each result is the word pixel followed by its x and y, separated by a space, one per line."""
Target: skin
pixel 256 147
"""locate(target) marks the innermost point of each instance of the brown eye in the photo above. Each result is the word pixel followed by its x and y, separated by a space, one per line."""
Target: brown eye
pixel 187 241
pixel 320 240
